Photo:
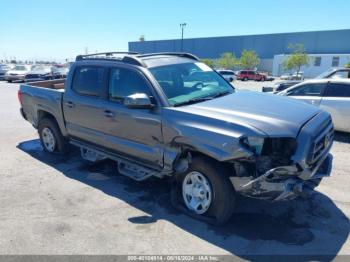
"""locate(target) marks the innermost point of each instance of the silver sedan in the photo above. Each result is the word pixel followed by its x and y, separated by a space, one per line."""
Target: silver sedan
pixel 332 95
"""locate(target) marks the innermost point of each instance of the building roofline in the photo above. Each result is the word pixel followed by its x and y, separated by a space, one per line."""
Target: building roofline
pixel 251 35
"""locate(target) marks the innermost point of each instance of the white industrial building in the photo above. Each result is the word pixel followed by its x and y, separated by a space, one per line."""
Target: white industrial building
pixel 318 63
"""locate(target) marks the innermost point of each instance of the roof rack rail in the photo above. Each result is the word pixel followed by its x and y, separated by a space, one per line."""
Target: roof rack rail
pixel 129 57
pixel 106 54
pixel 187 55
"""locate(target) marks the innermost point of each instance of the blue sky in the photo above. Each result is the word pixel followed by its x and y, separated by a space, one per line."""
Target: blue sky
pixel 41 29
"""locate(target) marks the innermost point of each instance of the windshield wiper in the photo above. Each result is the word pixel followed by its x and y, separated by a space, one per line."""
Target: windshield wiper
pixel 193 101
pixel 221 94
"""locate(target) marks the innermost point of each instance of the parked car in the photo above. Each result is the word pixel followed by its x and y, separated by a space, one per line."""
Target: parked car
pixel 60 72
pixel 286 76
pixel 39 73
pixel 335 73
pixel 331 95
pixel 280 86
pixel 251 75
pixel 3 69
pixel 229 75
pixel 148 114
pixel 295 76
pixel 17 73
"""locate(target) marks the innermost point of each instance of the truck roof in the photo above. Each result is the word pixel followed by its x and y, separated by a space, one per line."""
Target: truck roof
pixel 144 60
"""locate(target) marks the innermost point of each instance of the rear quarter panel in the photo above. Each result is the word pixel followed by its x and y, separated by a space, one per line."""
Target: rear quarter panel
pixel 36 99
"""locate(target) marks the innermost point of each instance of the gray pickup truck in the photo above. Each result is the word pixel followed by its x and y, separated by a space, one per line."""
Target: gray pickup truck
pixel 169 115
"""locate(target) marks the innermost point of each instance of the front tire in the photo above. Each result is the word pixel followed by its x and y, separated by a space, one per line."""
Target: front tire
pixel 51 137
pixel 206 192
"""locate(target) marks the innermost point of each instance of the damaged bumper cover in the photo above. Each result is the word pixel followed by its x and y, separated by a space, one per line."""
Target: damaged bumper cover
pixel 311 162
pixel 270 186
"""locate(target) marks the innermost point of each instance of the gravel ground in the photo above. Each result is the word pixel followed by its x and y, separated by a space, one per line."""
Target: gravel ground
pixel 62 205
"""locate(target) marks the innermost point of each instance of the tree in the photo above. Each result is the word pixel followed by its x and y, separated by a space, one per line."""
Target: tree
pixel 249 59
pixel 227 60
pixel 208 62
pixel 347 65
pixel 297 59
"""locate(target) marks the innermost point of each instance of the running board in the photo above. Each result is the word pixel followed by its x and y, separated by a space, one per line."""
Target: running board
pixel 125 167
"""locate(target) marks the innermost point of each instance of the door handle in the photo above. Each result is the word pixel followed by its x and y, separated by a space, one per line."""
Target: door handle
pixel 109 114
pixel 70 104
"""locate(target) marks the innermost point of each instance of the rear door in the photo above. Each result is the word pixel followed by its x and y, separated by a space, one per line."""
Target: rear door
pixel 83 104
pixel 309 92
pixel 336 101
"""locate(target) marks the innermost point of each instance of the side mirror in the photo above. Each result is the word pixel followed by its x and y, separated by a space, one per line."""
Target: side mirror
pixel 138 100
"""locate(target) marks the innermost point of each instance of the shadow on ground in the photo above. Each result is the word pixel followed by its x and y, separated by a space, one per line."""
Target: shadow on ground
pixel 301 227
pixel 342 137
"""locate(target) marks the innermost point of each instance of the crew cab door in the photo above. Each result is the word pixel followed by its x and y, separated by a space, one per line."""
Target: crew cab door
pixel 310 93
pixel 83 103
pixel 133 132
pixel 336 101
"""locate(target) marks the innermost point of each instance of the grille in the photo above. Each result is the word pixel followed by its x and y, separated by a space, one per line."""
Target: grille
pixel 321 144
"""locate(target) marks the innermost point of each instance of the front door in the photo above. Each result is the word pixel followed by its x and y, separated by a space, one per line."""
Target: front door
pixel 134 133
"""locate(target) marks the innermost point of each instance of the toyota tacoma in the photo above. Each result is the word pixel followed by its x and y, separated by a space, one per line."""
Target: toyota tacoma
pixel 169 115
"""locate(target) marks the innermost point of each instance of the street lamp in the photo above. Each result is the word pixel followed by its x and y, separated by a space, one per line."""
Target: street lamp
pixel 182 35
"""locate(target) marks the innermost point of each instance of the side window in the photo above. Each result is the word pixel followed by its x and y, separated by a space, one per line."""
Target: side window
pixel 308 90
pixel 89 80
pixel 335 61
pixel 317 61
pixel 124 82
pixel 338 90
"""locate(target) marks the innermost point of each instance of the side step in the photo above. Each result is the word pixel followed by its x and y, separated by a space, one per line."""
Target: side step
pixel 125 167
pixel 135 172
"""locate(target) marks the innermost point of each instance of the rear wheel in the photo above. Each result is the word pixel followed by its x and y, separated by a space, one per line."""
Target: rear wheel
pixel 51 138
pixel 206 192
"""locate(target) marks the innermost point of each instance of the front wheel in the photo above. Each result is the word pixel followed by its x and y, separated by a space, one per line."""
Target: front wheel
pixel 206 192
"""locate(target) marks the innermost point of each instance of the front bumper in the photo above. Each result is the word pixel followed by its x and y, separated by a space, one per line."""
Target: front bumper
pixel 310 163
pixel 14 77
pixel 269 188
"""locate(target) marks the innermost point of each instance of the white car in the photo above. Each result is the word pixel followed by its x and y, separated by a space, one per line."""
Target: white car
pixel 332 95
pixel 18 73
pixel 229 75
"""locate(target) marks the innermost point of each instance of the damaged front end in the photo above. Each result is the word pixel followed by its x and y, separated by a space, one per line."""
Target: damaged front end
pixel 284 168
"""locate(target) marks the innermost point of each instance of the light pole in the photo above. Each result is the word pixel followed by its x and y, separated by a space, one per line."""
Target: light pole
pixel 182 35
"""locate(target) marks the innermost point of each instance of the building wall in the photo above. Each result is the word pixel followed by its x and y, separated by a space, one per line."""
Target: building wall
pixel 266 46
pixel 311 70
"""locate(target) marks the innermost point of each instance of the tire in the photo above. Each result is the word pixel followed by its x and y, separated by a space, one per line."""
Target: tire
pixel 9 81
pixel 47 126
pixel 222 200
pixel 245 79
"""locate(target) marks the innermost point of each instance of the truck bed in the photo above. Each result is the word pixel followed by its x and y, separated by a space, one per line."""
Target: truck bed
pixel 51 84
pixel 43 96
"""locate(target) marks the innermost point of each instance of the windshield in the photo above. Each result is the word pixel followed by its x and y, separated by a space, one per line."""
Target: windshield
pixel 20 68
pixel 190 82
pixel 325 74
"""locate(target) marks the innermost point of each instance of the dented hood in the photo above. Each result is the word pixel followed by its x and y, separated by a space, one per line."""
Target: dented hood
pixel 276 116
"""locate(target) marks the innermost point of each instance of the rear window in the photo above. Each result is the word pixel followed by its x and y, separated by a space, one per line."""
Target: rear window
pixel 338 90
pixel 89 80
